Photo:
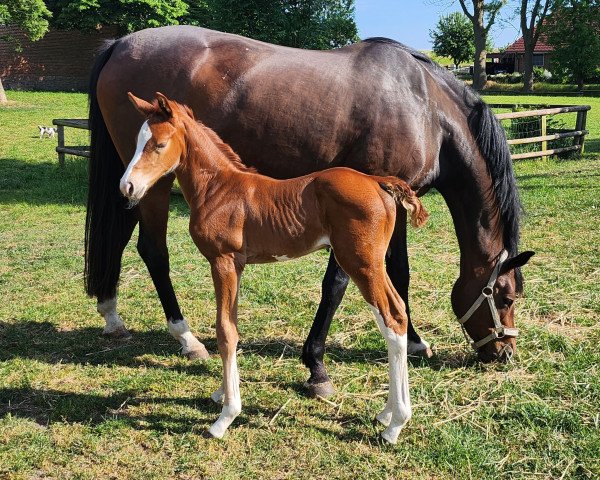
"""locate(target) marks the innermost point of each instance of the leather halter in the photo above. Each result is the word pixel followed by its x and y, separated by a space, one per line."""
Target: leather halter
pixel 487 293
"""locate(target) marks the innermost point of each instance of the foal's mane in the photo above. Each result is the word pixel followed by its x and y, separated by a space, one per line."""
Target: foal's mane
pixel 491 141
pixel 223 147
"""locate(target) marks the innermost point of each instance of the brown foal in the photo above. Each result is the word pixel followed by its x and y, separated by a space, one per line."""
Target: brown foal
pixel 238 216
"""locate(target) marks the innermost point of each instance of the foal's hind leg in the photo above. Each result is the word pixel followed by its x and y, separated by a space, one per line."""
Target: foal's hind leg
pixel 390 314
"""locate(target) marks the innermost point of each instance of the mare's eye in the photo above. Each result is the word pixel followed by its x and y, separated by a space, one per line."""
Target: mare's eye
pixel 161 145
pixel 508 301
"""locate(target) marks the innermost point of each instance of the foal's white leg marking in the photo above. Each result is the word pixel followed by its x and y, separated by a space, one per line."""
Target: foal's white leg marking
pixel 114 323
pixel 233 401
pixel 398 409
pixel 144 135
pixel 180 330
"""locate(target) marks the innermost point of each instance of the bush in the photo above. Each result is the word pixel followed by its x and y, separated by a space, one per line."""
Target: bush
pixel 540 74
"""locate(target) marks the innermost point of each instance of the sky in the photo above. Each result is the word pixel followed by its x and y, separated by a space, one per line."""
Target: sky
pixel 409 21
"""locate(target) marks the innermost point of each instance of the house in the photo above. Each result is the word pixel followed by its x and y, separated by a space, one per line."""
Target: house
pixel 515 53
pixel 61 60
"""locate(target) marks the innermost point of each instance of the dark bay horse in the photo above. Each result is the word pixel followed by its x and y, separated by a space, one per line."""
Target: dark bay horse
pixel 240 217
pixel 375 106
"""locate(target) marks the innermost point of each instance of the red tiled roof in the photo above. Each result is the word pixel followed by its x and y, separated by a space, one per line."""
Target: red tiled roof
pixel 540 46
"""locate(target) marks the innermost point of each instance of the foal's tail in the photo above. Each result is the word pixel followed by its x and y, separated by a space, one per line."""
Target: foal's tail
pixel 405 196
pixel 106 219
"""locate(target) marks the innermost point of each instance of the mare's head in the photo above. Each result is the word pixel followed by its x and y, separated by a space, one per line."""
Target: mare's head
pixel 160 145
pixel 485 306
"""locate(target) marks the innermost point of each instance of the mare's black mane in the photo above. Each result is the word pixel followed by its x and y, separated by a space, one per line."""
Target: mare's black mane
pixel 491 141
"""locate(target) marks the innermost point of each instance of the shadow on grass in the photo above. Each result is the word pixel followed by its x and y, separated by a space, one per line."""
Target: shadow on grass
pixel 43 342
pixel 47 406
pixel 36 183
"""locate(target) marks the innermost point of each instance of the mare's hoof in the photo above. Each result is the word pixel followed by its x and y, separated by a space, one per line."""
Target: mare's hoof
pixel 218 397
pixel 199 353
pixel 120 333
pixel 385 418
pixel 422 349
pixel 387 438
pixel 324 389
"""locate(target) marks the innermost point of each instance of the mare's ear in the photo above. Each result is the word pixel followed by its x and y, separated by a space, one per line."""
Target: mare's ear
pixel 514 262
pixel 142 106
pixel 164 104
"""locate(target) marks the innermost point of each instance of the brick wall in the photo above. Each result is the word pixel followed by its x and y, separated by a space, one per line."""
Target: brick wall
pixel 60 61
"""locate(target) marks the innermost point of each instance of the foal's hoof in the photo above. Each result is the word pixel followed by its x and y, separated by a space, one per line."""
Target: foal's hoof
pixel 199 353
pixel 324 389
pixel 120 333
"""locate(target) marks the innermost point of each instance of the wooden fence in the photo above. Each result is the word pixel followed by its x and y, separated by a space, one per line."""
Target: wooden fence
pixel 578 134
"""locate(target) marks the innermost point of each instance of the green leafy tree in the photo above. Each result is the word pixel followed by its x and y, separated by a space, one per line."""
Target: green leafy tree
pixel 533 14
pixel 31 16
pixel 127 15
pixel 573 29
pixel 318 24
pixel 482 17
pixel 453 37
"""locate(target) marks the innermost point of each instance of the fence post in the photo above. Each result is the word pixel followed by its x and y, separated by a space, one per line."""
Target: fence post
pixel 580 125
pixel 61 143
pixel 543 128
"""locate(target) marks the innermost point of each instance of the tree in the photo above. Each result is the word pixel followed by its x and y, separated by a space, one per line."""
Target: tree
pixel 536 10
pixel 453 37
pixel 31 16
pixel 573 29
pixel 483 17
pixel 318 24
pixel 127 15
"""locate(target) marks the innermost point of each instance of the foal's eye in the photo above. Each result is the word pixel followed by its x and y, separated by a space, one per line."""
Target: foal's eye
pixel 161 145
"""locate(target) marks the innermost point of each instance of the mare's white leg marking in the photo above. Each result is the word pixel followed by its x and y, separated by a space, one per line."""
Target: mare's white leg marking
pixel 144 135
pixel 114 323
pixel 232 405
pixel 414 348
pixel 181 332
pixel 398 409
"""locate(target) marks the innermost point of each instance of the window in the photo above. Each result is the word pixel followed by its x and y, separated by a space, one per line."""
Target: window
pixel 538 59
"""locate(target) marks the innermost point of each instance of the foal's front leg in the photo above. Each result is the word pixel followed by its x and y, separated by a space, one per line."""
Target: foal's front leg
pixel 226 273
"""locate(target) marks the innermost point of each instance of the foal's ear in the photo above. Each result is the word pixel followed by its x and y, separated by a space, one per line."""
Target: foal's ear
pixel 514 262
pixel 164 104
pixel 142 106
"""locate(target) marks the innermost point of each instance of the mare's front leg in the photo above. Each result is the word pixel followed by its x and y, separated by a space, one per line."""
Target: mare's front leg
pixel 333 289
pixel 152 247
pixel 226 272
pixel 396 264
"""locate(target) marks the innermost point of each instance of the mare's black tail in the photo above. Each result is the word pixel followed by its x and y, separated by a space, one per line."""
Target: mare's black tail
pixel 108 224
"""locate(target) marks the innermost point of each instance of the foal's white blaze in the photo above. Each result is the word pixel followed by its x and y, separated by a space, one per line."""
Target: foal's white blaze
pixel 232 405
pixel 143 136
pixel 114 323
pixel 180 330
pixel 397 410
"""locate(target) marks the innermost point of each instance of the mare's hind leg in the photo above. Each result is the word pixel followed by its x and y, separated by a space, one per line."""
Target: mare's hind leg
pixel 396 262
pixel 152 247
pixel 107 304
pixel 333 289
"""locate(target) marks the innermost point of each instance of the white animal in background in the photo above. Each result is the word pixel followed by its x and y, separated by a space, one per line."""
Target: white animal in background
pixel 48 131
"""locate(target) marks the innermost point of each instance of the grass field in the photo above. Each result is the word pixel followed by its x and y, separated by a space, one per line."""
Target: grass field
pixel 75 405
